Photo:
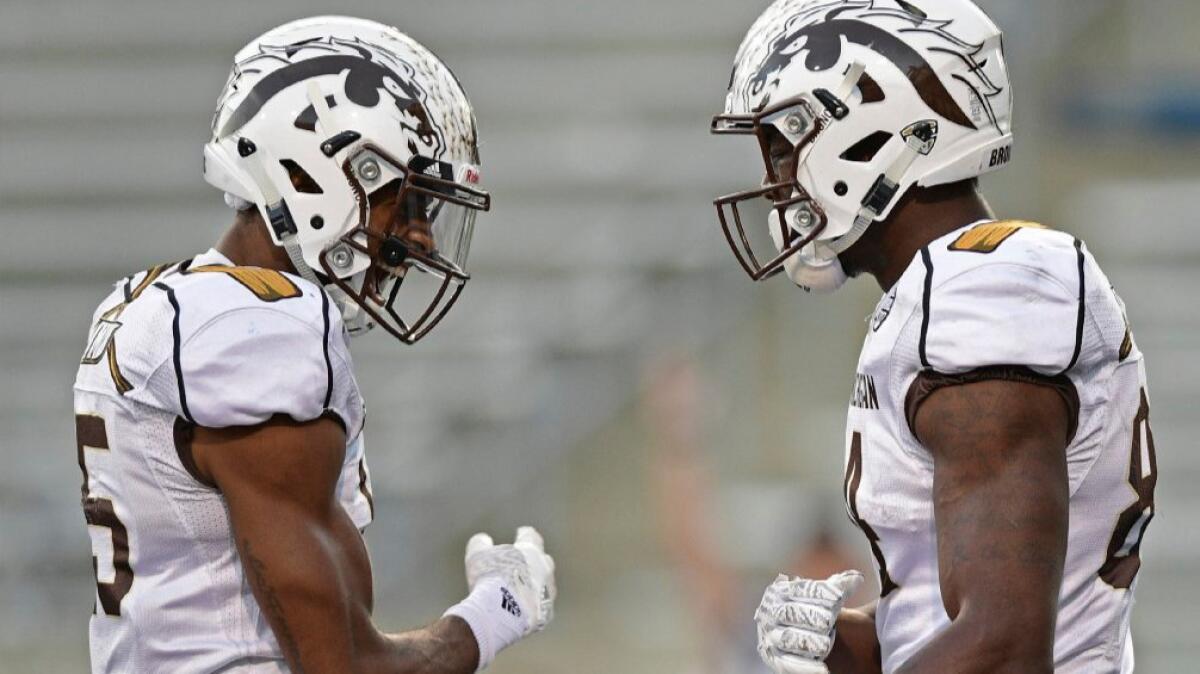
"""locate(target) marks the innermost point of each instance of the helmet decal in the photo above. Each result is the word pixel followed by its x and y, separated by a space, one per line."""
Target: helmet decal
pixel 370 69
pixel 820 40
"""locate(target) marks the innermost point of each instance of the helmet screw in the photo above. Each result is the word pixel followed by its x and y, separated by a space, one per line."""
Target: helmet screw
pixel 804 218
pixel 342 258
pixel 795 124
pixel 369 170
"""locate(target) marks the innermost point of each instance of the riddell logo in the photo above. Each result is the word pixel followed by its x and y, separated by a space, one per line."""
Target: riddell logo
pixel 1000 156
pixel 471 177
pixel 509 602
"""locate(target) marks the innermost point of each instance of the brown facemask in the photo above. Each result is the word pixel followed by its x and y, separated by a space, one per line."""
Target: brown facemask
pixel 415 242
pixel 782 192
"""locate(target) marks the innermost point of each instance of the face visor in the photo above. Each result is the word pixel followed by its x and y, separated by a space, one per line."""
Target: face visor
pixel 418 253
pixel 767 225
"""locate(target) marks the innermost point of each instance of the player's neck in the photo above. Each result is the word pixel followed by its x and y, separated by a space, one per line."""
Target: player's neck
pixel 247 244
pixel 888 247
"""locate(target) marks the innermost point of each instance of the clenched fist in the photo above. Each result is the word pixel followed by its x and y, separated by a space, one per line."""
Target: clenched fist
pixel 797 619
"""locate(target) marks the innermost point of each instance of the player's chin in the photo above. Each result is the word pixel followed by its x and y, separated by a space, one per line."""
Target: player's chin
pixel 851 269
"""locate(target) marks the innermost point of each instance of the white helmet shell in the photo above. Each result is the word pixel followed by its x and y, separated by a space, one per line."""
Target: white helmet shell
pixel 893 96
pixel 305 98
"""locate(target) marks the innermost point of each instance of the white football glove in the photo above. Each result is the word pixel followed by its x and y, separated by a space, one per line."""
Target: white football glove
pixel 797 618
pixel 512 591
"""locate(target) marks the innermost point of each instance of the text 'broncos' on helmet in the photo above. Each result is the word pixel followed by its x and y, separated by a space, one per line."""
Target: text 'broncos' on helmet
pixel 853 102
pixel 322 119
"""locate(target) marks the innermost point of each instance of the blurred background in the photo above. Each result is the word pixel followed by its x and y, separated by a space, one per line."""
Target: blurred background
pixel 610 375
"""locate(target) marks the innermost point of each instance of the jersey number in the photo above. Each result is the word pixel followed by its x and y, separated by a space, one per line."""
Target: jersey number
pixel 1123 560
pixel 853 479
pixel 986 238
pixel 90 434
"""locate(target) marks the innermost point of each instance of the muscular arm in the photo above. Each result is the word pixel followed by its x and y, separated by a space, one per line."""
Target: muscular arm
pixel 1000 502
pixel 856 648
pixel 304 558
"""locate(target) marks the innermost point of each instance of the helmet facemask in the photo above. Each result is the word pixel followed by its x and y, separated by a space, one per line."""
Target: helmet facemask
pixel 794 219
pixel 422 247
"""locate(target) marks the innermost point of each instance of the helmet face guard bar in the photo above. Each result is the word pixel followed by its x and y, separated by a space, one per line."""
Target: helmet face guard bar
pixel 392 259
pixel 783 193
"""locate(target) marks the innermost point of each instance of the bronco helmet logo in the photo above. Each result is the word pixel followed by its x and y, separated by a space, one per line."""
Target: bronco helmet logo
pixel 821 42
pixel 371 70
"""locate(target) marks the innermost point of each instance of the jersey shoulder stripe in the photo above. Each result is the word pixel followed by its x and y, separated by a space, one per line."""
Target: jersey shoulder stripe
pixel 176 349
pixel 925 302
pixel 102 343
pixel 1082 306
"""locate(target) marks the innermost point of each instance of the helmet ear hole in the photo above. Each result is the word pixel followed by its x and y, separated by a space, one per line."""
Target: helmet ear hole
pixel 865 149
pixel 301 181
pixel 870 89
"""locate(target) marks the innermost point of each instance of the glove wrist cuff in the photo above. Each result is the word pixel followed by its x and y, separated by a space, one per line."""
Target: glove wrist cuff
pixel 494 617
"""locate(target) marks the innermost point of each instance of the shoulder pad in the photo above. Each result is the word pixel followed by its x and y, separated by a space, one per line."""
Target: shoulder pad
pixel 233 346
pixel 252 343
pixel 1002 293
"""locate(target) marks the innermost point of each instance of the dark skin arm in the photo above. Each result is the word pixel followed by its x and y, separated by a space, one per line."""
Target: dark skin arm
pixel 304 558
pixel 1001 502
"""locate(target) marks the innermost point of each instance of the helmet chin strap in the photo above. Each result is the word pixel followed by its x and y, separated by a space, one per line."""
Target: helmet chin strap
pixel 877 199
pixel 297 257
pixel 327 124
pixel 273 203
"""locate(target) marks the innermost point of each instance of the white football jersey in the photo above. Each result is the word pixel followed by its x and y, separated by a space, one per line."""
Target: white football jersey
pixel 202 343
pixel 1005 300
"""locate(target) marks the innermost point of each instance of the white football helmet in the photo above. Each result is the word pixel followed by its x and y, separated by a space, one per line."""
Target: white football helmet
pixel 324 116
pixel 870 97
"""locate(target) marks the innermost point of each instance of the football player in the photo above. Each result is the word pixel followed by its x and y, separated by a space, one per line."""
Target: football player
pixel 999 458
pixel 220 428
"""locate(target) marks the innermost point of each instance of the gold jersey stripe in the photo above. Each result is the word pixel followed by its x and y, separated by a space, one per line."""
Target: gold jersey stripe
pixel 1126 345
pixel 267 285
pixel 150 277
pixel 987 237
pixel 119 380
pixel 110 347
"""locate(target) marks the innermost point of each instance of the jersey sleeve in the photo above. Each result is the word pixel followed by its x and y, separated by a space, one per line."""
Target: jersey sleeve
pixel 245 366
pixel 1007 321
pixel 1001 315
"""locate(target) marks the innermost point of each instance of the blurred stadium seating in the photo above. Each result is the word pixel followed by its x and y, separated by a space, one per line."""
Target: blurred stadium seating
pixel 601 258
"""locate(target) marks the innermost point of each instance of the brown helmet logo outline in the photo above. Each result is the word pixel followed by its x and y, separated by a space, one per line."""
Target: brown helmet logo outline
pixel 822 45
